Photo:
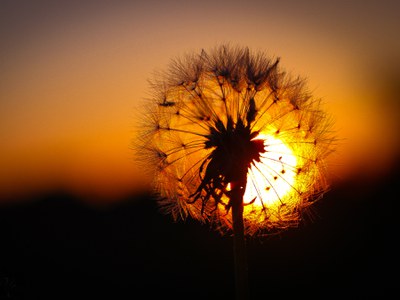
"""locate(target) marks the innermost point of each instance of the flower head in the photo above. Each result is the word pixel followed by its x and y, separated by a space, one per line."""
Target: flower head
pixel 227 116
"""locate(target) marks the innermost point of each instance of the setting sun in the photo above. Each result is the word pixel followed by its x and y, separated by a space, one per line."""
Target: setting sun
pixel 271 179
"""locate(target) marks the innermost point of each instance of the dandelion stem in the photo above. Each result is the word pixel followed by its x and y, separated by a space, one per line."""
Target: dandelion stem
pixel 239 246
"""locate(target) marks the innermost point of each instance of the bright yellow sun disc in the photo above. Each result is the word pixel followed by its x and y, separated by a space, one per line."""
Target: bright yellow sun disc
pixel 271 179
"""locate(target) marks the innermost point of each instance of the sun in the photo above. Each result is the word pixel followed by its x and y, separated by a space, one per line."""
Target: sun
pixel 272 179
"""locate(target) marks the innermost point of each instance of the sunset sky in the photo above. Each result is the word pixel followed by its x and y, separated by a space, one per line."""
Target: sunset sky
pixel 74 73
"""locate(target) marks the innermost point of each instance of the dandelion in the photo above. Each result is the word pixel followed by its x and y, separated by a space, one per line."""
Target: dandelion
pixel 233 141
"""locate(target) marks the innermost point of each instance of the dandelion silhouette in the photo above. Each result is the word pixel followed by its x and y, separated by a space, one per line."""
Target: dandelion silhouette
pixel 233 141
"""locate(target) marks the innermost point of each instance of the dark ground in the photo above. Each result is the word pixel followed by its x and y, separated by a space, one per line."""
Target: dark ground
pixel 55 247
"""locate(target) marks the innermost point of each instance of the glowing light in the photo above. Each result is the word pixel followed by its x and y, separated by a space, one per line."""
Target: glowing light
pixel 272 179
pixel 204 111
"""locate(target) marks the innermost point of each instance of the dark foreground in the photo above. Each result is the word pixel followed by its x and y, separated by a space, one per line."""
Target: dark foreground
pixel 55 247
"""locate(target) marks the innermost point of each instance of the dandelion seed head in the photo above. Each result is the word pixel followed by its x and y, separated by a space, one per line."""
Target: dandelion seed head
pixel 216 113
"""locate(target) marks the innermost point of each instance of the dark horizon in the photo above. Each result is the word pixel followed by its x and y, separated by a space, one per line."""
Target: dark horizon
pixel 56 247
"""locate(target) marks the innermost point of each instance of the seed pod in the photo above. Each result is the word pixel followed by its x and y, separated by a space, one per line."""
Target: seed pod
pixel 227 113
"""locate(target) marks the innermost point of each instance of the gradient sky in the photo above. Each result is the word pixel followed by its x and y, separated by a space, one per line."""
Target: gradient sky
pixel 73 74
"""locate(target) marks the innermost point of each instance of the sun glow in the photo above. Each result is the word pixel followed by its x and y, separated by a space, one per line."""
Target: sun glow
pixel 272 179
pixel 221 118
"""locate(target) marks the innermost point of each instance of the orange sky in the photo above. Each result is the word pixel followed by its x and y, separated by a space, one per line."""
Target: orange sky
pixel 72 76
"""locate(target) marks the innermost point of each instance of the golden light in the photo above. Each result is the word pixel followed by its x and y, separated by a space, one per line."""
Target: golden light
pixel 197 130
pixel 271 179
